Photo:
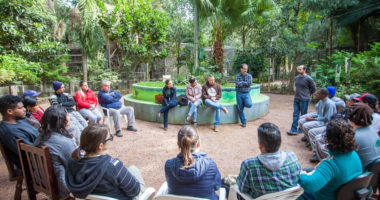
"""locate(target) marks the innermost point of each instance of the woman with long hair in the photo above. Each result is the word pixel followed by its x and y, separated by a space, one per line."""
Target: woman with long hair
pixel 91 171
pixel 360 117
pixel 61 143
pixel 169 101
pixel 333 172
pixel 191 173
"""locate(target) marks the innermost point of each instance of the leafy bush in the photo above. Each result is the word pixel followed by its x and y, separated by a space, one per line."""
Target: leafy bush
pixel 16 69
pixel 97 70
pixel 366 69
pixel 252 58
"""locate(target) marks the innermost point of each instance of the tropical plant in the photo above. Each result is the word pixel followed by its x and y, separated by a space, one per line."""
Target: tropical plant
pixel 252 58
pixel 138 30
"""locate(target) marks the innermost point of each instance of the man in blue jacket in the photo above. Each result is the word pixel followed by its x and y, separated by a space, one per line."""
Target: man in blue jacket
pixel 111 99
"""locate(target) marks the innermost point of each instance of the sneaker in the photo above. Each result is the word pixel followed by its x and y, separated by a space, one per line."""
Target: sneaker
pixel 195 125
pixel 243 125
pixel 119 134
pixel 215 129
pixel 304 139
pixel 314 159
pixel 292 133
pixel 165 129
pixel 131 128
pixel 187 119
pixel 158 114
pixel 224 109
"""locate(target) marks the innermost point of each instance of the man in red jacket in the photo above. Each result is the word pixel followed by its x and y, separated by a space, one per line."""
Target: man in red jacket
pixel 87 103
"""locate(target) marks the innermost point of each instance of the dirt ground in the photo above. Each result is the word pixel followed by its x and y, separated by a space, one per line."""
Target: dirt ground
pixel 151 146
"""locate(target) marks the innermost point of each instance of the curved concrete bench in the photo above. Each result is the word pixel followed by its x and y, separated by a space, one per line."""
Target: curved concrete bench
pixel 147 111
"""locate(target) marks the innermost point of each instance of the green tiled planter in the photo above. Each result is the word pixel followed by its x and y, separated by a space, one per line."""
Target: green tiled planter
pixel 146 109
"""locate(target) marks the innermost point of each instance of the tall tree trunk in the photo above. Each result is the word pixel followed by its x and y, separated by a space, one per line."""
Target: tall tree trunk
pixel 218 50
pixel 330 36
pixel 243 37
pixel 178 54
pixel 84 66
pixel 294 70
pixel 196 45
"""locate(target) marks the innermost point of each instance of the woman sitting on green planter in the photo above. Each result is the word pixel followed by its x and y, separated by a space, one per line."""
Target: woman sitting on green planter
pixel 169 101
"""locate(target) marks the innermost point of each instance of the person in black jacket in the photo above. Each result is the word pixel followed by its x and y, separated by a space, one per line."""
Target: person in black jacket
pixel 169 101
pixel 92 172
pixel 68 102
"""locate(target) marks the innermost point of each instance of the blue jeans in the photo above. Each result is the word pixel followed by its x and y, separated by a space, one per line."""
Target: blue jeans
pixel 193 109
pixel 165 110
pixel 243 100
pixel 298 106
pixel 217 106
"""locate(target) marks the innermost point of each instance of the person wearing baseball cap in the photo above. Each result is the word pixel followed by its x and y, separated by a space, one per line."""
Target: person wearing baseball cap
pixel 350 99
pixel 68 102
pixel 40 111
pixel 31 93
pixel 371 101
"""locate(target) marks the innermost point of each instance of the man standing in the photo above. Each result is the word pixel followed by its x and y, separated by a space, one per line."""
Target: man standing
pixel 305 87
pixel 14 127
pixel 243 82
pixel 67 101
pixel 87 103
pixel 212 92
pixel 271 171
pixel 111 99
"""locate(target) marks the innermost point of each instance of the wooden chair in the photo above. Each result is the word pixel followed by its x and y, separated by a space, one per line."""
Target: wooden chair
pixel 14 174
pixel 375 169
pixel 291 193
pixel 38 170
pixel 162 194
pixel 357 188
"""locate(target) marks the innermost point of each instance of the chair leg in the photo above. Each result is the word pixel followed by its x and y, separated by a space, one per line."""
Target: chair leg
pixel 18 190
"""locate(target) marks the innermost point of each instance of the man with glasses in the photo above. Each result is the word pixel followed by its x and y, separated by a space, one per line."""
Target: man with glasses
pixel 110 99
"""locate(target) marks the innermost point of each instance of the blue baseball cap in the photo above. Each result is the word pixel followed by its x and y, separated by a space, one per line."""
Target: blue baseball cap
pixel 31 93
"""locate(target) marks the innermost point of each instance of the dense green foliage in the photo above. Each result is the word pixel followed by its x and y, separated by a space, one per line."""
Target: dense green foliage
pixel 137 29
pixel 28 48
pixel 252 58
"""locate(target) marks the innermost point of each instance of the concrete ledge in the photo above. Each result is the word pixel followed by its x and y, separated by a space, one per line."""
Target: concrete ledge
pixel 147 111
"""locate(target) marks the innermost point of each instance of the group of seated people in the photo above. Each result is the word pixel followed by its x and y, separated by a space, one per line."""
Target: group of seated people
pixel 350 138
pixel 211 92
pixel 359 111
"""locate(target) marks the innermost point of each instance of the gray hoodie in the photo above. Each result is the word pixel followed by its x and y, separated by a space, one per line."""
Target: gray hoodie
pixel 273 161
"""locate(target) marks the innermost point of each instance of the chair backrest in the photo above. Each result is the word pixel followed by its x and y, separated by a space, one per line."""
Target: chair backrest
pixel 162 194
pixel 290 193
pixel 354 188
pixel 12 169
pixel 38 170
pixel 375 169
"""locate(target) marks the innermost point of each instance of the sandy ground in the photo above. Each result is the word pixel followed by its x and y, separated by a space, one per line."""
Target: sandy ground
pixel 151 146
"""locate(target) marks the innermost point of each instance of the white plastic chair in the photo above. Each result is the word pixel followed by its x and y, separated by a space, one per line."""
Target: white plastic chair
pixel 162 194
pixel 147 195
pixel 288 194
pixel 110 120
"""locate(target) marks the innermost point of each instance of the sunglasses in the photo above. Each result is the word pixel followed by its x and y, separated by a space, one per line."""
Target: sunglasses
pixel 108 139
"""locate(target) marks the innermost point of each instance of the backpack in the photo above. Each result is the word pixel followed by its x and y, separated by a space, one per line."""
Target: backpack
pixel 182 100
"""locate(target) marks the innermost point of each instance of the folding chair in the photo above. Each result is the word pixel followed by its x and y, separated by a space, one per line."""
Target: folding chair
pixel 14 174
pixel 162 194
pixel 106 112
pixel 290 193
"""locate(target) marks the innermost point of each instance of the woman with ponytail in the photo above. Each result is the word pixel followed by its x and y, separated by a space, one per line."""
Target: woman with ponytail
pixel 191 173
pixel 61 143
pixel 90 171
